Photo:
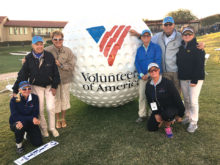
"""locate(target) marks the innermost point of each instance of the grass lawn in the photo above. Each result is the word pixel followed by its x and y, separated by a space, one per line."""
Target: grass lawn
pixel 110 135
pixel 8 62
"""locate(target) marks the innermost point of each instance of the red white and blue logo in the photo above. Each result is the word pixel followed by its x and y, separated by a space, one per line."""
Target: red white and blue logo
pixel 109 41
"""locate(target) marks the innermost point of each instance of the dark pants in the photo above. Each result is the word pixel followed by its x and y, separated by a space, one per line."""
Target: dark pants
pixel 33 133
pixel 167 114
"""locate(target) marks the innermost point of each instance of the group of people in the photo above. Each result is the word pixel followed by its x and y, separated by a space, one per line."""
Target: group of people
pixel 168 64
pixel 45 75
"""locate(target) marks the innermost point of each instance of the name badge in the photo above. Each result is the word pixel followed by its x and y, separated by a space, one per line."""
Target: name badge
pixel 153 106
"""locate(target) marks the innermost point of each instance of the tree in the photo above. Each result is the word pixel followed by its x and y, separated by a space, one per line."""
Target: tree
pixel 182 15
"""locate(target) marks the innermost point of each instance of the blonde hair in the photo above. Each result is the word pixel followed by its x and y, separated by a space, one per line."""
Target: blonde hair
pixel 18 97
pixel 57 33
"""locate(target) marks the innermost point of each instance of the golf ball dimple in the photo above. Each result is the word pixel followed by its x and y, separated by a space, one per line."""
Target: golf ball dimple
pixel 104 73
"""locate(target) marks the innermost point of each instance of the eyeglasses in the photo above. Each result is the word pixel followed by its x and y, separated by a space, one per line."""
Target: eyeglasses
pixel 153 70
pixel 58 39
pixel 187 34
pixel 146 36
pixel 25 89
pixel 168 24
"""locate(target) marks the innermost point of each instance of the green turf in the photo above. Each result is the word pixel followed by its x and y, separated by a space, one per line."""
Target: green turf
pixel 110 135
pixel 8 62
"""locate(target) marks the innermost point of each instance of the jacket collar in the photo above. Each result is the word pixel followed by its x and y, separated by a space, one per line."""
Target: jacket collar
pixel 158 82
pixel 193 42
pixel 61 50
pixel 29 97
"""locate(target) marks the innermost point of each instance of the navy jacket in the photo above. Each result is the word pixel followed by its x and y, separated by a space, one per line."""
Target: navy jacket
pixel 143 58
pixel 25 110
pixel 190 62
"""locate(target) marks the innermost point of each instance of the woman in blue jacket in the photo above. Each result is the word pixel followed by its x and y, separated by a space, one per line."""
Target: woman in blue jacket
pixel 24 116
pixel 146 54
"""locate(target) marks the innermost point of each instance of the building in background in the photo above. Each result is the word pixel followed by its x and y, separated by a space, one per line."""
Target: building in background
pixel 23 31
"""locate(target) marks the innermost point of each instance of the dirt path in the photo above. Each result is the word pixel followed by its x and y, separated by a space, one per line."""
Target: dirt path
pixel 6 76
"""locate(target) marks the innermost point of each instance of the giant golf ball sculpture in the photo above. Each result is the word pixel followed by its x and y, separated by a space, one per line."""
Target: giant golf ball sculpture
pixel 105 74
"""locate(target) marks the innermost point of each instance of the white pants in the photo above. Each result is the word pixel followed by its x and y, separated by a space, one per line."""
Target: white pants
pixel 62 102
pixel 45 93
pixel 191 99
pixel 142 98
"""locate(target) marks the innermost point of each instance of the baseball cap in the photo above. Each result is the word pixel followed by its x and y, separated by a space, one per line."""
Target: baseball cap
pixel 168 19
pixel 187 29
pixel 36 39
pixel 23 84
pixel 152 65
pixel 145 31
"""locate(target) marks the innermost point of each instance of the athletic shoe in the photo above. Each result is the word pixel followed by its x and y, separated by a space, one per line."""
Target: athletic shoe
pixel 185 121
pixel 140 119
pixel 169 132
pixel 44 133
pixel 54 132
pixel 20 150
pixel 192 128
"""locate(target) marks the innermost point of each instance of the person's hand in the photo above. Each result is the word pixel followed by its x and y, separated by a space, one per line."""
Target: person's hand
pixel 23 60
pixel 158 118
pixel 19 125
pixel 178 119
pixel 36 121
pixel 58 63
pixel 201 45
pixel 134 33
pixel 192 85
pixel 144 77
pixel 14 95
pixel 53 91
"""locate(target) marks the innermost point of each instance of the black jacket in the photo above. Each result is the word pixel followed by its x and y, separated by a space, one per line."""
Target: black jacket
pixel 190 62
pixel 165 95
pixel 46 75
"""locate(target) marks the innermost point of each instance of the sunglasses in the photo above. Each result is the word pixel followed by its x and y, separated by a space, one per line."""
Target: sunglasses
pixel 25 89
pixel 168 24
pixel 146 36
pixel 58 39
pixel 153 70
pixel 187 34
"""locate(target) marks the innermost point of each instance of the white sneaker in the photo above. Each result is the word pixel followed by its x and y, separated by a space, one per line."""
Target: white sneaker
pixel 55 133
pixel 192 128
pixel 185 121
pixel 44 133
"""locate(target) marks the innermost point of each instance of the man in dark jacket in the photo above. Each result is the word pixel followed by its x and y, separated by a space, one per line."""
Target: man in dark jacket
pixel 42 72
pixel 164 100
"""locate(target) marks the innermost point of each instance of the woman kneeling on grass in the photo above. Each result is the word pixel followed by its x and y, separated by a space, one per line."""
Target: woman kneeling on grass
pixel 24 116
pixel 164 100
pixel 190 62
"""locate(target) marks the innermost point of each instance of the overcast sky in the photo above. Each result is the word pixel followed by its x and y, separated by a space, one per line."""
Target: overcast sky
pixel 67 10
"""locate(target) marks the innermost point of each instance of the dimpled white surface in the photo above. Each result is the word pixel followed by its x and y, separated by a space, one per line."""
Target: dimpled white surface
pixel 95 82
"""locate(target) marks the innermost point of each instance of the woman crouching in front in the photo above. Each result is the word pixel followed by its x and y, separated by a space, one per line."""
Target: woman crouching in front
pixel 164 101
pixel 24 116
